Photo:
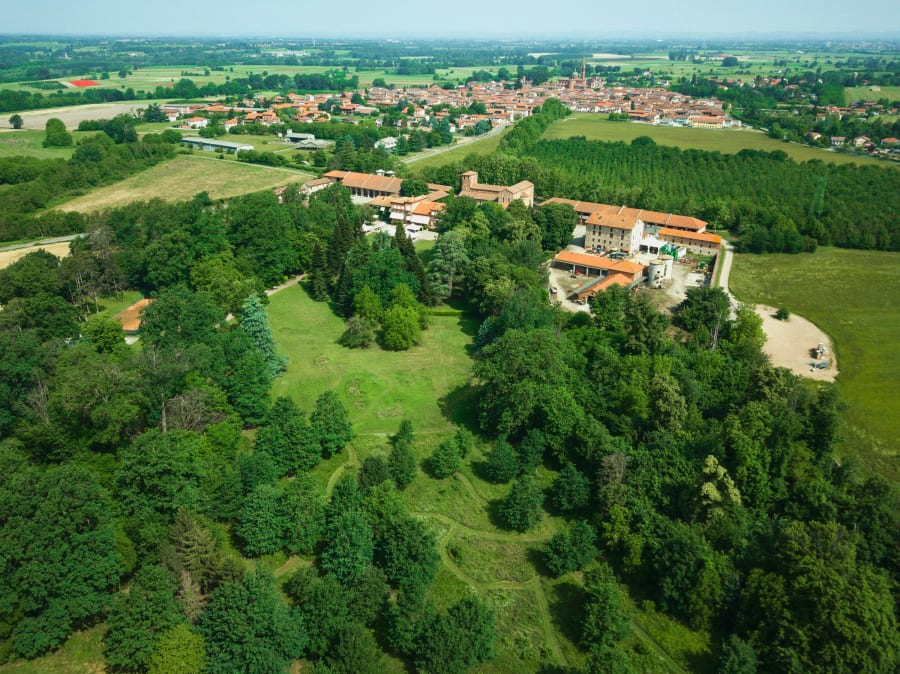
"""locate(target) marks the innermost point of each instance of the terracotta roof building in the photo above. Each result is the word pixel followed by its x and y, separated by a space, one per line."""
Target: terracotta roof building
pixel 502 194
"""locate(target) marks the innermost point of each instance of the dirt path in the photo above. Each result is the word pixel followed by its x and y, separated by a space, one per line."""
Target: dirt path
pixel 788 343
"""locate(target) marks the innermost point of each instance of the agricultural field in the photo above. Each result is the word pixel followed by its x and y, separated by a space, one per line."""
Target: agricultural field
pixel 182 178
pixel 853 296
pixel 598 127
pixel 73 114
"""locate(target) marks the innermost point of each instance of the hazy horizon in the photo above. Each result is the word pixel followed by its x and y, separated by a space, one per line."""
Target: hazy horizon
pixel 527 19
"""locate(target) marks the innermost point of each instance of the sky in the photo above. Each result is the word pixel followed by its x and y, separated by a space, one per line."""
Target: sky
pixel 582 19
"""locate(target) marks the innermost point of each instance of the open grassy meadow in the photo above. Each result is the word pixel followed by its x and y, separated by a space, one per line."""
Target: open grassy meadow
pixel 854 296
pixel 182 178
pixel 872 93
pixel 29 143
pixel 598 127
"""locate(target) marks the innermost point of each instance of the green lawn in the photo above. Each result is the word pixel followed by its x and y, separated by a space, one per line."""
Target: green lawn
pixel 872 93
pixel 598 127
pixel 182 178
pixel 29 142
pixel 854 296
pixel 380 388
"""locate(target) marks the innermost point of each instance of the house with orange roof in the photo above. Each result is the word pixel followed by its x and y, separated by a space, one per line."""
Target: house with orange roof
pixel 701 243
pixel 502 194
pixel 606 231
pixel 584 264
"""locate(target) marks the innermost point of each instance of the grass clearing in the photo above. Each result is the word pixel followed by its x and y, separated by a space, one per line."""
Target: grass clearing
pixel 182 178
pixel 729 141
pixel 81 654
pixel 29 143
pixel 871 93
pixel 852 295
pixel 379 388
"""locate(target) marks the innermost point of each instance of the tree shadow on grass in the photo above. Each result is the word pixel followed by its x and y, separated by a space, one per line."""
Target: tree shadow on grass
pixel 460 407
pixel 538 559
pixel 567 609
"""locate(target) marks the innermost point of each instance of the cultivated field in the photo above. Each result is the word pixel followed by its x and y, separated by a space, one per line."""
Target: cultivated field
pixel 73 114
pixel 8 257
pixel 598 127
pixel 855 297
pixel 182 178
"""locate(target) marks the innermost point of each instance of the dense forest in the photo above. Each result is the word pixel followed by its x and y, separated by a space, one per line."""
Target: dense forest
pixel 689 471
pixel 769 201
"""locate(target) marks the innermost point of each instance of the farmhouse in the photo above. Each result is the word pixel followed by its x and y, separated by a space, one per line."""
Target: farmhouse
pixel 614 232
pixel 502 194
pixel 369 186
pixel 701 243
pixel 582 264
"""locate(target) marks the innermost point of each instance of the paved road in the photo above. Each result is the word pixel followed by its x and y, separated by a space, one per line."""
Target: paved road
pixel 42 242
pixel 463 143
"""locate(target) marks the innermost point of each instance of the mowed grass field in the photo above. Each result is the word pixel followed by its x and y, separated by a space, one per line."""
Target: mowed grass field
pixel 182 178
pixel 854 296
pixel 598 127
pixel 871 93
pixel 29 143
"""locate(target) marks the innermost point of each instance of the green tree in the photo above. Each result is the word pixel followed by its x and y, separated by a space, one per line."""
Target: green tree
pixel 445 459
pixel 556 222
pixel 373 472
pixel 16 121
pixel 304 506
pixel 400 329
pixel 457 640
pixel 56 134
pixel 358 333
pixel 605 621
pixel 324 604
pixel 158 474
pixel 571 490
pixel 179 651
pixel 330 426
pixel 262 522
pixel 522 507
pixel 138 619
pixel 347 552
pixel 356 652
pixel 367 306
pixel 247 629
pixel 572 549
pixel 104 332
pixel 58 547
pixel 449 259
pixel 286 437
pixel 412 187
pixel 406 550
pixel 502 462
pixel 255 322
pixel 318 275
pixel 737 657
pixel 401 461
